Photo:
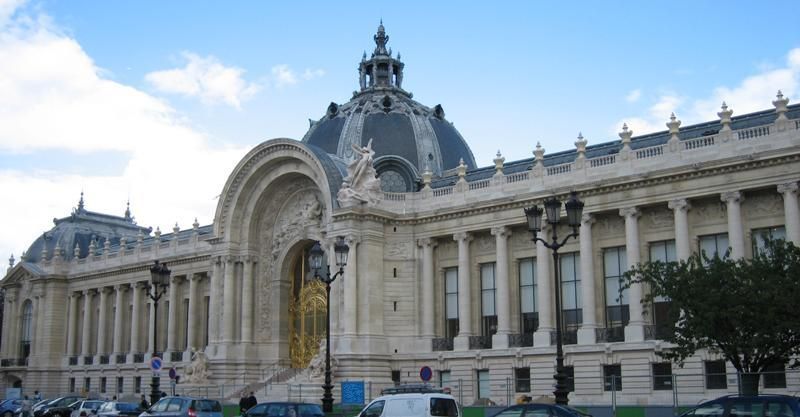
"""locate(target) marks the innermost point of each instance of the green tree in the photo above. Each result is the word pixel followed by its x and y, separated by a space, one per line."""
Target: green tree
pixel 744 309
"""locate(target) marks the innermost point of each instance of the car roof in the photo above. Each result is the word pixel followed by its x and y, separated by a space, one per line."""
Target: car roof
pixel 416 395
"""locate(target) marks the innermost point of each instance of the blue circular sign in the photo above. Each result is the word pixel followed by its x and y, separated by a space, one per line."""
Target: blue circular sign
pixel 155 363
pixel 172 373
pixel 426 373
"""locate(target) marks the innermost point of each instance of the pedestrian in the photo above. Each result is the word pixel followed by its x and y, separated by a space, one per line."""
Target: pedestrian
pixel 25 407
pixel 37 396
pixel 243 403
pixel 144 404
pixel 251 400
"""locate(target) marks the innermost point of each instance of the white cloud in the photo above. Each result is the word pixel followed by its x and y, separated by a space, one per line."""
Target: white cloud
pixel 7 9
pixel 55 99
pixel 753 93
pixel 205 78
pixel 283 75
pixel 633 96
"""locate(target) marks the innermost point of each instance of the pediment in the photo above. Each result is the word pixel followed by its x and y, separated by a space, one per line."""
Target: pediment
pixel 21 274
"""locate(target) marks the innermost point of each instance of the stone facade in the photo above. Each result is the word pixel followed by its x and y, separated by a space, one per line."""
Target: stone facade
pixel 443 276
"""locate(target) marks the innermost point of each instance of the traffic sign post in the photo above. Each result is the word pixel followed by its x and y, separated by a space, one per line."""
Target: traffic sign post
pixel 425 373
pixel 155 365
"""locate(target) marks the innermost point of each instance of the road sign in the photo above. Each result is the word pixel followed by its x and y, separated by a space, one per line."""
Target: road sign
pixel 172 373
pixel 155 363
pixel 425 373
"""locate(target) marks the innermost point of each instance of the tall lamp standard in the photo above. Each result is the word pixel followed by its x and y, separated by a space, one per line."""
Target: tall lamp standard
pixel 315 260
pixel 159 282
pixel 552 206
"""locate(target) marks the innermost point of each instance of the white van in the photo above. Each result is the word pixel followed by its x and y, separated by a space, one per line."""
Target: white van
pixel 427 404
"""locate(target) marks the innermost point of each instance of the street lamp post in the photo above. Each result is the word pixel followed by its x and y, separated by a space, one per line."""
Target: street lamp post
pixel 552 206
pixel 315 260
pixel 156 288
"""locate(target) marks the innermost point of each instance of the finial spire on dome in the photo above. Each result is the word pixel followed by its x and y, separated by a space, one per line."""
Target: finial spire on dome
pixel 80 203
pixel 128 210
pixel 381 39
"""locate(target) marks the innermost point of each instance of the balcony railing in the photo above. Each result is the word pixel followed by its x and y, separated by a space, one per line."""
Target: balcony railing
pixel 88 360
pixel 104 359
pixel 121 358
pixel 442 343
pixel 5 363
pixel 176 356
pixel 610 334
pixel 480 342
pixel 568 337
pixel 138 357
pixel 73 360
pixel 520 340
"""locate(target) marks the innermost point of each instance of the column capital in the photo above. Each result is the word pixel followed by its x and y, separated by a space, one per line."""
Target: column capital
pixel 679 204
pixel 176 279
pixel 465 236
pixel 121 287
pixel 788 188
pixel 427 241
pixel 105 290
pixel 352 240
pixel 630 212
pixel 732 197
pixel 229 259
pixel 501 231
pixel 194 276
pixel 91 291
pixel 588 218
pixel 140 285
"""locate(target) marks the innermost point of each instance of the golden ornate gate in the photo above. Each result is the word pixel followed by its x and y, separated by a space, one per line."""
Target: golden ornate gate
pixel 307 318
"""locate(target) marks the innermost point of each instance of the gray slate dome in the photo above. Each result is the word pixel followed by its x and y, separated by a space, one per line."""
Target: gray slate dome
pixel 81 228
pixel 407 137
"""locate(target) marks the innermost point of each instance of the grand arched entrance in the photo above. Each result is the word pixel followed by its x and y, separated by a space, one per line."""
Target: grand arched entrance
pixel 307 305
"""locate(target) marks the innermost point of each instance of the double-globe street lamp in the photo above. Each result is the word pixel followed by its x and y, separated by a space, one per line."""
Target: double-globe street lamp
pixel 315 261
pixel 156 288
pixel 552 207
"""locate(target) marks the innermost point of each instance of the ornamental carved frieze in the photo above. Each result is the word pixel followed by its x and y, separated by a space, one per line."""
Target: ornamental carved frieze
pixel 484 243
pixel 707 210
pixel 764 204
pixel 659 218
pixel 606 226
pixel 399 250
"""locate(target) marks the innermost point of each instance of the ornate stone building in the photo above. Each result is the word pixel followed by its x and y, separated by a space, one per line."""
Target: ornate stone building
pixel 441 270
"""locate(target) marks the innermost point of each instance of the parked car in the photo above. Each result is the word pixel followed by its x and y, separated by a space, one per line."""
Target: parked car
pixel 60 405
pixel 86 408
pixel 284 409
pixel 541 410
pixel 118 408
pixel 768 405
pixel 184 407
pixel 412 401
pixel 10 407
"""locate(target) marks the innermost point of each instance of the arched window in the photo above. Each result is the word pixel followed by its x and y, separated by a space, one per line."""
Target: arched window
pixel 27 322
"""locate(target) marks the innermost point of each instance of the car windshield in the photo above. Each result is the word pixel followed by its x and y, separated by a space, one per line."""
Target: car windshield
pixel 127 406
pixel 207 405
pixel 309 410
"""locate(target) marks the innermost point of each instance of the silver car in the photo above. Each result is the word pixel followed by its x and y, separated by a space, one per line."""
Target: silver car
pixel 184 407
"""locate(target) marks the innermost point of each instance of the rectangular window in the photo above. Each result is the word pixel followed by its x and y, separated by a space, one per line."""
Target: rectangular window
pixel 615 263
pixel 186 324
pixel 137 384
pixel 484 390
pixel 527 296
pixel 444 378
pixel 713 245
pixel 87 384
pixel 716 377
pixel 760 237
pixel 571 290
pixel 120 384
pixel 103 385
pixel 488 310
pixel 72 385
pixel 207 306
pixel 662 376
pixel 663 251
pixel 569 371
pixel 451 301
pixel 612 377
pixel 522 380
pixel 775 376
pixel 396 376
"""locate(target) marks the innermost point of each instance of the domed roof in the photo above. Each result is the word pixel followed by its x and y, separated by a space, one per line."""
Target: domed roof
pixel 82 228
pixel 407 137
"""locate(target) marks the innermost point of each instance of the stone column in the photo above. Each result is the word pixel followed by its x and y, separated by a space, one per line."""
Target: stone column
pixel 86 349
pixel 10 341
pixel 544 282
pixel 151 325
pixel 426 290
pixel 215 296
pixel 173 323
pixel 102 322
pixel 461 341
pixel 351 288
pixel 136 313
pixel 72 325
pixel 682 245
pixel 119 317
pixel 791 211
pixel 248 292
pixel 230 300
pixel 194 319
pixel 586 333
pixel 634 331
pixel 37 305
pixel 733 201
pixel 503 299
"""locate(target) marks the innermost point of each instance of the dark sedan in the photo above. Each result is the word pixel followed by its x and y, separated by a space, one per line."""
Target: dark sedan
pixel 9 407
pixel 748 406
pixel 284 409
pixel 59 407
pixel 541 410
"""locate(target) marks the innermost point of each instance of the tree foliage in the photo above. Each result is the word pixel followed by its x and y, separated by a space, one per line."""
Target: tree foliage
pixel 745 309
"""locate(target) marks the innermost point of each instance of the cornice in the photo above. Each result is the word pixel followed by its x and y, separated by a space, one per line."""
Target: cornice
pixel 145 267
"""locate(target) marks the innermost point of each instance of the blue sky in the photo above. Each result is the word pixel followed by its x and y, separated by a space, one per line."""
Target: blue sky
pixel 157 101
